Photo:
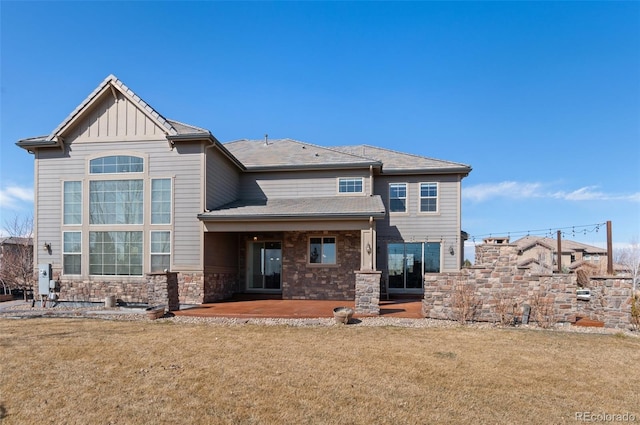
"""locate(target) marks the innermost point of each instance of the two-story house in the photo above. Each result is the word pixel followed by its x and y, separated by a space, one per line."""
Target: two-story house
pixel 541 253
pixel 121 192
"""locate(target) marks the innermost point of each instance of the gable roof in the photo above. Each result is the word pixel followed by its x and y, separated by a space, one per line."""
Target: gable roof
pixel 174 130
pixel 395 162
pixel 322 208
pixel 568 246
pixel 288 154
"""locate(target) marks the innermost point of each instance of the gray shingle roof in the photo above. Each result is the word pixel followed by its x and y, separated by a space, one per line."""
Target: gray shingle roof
pixel 338 207
pixel 399 162
pixel 292 154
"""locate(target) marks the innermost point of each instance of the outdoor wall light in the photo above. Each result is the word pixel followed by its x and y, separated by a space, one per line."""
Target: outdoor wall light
pixel 46 246
pixel 451 251
pixel 368 248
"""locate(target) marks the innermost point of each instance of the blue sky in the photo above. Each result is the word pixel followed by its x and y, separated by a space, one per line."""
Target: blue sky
pixel 542 99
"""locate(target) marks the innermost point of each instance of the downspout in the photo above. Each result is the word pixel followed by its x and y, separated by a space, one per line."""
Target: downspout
pixel 371 181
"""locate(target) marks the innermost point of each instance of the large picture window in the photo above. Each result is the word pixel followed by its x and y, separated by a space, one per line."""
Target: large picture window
pixel 116 202
pixel 398 197
pixel 160 251
pixel 72 253
pixel 322 250
pixel 161 201
pixel 115 253
pixel 72 202
pixel 428 197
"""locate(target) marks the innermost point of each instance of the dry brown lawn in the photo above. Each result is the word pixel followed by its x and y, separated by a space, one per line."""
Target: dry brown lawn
pixel 84 371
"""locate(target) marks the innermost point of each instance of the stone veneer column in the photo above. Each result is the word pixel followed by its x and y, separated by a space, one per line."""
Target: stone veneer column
pixel 367 292
pixel 162 289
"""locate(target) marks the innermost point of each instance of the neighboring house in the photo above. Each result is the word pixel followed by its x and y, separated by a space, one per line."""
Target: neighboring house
pixel 121 192
pixel 16 262
pixel 541 253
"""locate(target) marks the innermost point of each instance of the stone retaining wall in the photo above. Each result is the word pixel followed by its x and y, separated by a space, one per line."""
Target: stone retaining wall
pixel 498 287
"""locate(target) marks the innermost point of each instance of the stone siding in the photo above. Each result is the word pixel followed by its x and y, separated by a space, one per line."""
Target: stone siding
pixel 162 289
pixel 125 291
pixel 191 288
pixel 496 282
pixel 319 282
pixel 368 292
pixel 219 286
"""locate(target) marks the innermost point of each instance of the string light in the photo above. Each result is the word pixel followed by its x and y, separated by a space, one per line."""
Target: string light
pixel 549 232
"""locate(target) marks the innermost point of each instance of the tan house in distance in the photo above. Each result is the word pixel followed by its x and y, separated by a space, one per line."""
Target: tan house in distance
pixel 540 253
pixel 121 193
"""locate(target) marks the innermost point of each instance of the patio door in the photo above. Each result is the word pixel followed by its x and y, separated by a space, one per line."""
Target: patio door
pixel 405 267
pixel 264 265
pixel 408 262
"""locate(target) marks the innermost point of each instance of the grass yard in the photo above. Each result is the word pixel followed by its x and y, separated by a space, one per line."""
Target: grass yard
pixel 84 371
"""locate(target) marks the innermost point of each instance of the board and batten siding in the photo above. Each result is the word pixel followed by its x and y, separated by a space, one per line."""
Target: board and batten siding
pixel 111 118
pixel 415 226
pixel 223 179
pixel 299 184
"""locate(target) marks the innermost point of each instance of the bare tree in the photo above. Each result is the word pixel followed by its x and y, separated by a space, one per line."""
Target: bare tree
pixel 16 254
pixel 629 257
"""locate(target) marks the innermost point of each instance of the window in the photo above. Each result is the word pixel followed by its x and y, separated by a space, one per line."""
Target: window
pixel 350 185
pixel 160 251
pixel 322 250
pixel 116 164
pixel 72 252
pixel 115 201
pixel 161 201
pixel 398 197
pixel 428 197
pixel 115 253
pixel 72 203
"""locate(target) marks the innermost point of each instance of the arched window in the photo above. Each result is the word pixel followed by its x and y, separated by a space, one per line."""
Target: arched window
pixel 116 164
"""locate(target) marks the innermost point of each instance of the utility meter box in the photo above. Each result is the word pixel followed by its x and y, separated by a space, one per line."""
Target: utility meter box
pixel 44 278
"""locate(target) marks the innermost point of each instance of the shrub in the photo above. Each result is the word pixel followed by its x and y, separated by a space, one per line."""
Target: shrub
pixel 464 302
pixel 542 310
pixel 506 307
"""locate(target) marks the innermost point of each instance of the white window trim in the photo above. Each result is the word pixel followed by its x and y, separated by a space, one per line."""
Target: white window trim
pixel 171 209
pixel 350 193
pixel 152 253
pixel 437 211
pixel 406 198
pixel 72 253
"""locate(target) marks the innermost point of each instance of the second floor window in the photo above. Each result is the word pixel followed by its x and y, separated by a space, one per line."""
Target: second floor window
pixel 428 197
pixel 116 164
pixel 116 202
pixel 350 185
pixel 398 197
pixel 72 202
